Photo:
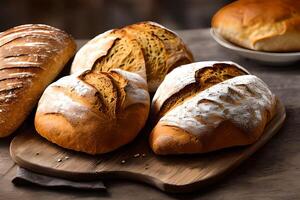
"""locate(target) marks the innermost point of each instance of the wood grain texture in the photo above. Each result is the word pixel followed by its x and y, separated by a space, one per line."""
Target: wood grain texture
pixel 271 173
pixel 135 161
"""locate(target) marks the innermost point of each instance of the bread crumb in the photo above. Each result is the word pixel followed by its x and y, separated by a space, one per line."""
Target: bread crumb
pixel 123 161
pixel 136 155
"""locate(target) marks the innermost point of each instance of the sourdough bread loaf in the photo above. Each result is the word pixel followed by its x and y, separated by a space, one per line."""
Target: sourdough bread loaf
pixel 268 25
pixel 93 112
pixel 31 56
pixel 206 106
pixel 145 48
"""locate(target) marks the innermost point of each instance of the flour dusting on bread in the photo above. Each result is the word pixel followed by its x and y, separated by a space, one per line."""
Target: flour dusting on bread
pixel 242 100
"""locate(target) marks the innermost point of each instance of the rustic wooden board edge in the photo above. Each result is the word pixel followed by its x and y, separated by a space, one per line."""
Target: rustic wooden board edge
pixel 276 123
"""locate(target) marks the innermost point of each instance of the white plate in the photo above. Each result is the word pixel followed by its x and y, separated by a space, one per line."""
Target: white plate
pixel 266 57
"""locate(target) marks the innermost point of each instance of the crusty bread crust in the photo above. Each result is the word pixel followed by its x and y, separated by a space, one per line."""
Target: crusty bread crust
pixel 230 113
pixel 31 56
pixel 76 115
pixel 163 50
pixel 184 77
pixel 165 140
pixel 112 49
pixel 152 49
pixel 269 25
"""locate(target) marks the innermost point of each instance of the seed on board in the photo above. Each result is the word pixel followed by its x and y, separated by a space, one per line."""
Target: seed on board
pixel 143 155
pixel 123 161
pixel 59 160
pixel 136 155
pixel 67 157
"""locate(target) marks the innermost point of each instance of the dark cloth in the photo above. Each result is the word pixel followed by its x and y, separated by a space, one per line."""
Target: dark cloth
pixel 26 177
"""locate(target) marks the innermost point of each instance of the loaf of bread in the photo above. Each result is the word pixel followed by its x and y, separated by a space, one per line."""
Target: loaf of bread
pixel 268 25
pixel 93 112
pixel 31 56
pixel 206 106
pixel 146 48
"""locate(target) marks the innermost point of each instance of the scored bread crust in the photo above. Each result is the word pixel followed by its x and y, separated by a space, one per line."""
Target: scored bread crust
pixel 230 113
pixel 154 54
pixel 69 114
pixel 31 56
pixel 99 48
pixel 163 50
pixel 95 48
pixel 180 78
pixel 269 25
pixel 158 50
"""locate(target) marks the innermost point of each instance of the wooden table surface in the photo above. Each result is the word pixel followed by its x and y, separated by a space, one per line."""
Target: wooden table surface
pixel 271 173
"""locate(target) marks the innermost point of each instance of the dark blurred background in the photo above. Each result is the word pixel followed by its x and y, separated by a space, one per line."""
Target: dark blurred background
pixel 87 18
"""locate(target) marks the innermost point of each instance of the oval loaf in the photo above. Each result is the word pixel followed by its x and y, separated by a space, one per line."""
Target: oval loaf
pixel 31 56
pixel 213 105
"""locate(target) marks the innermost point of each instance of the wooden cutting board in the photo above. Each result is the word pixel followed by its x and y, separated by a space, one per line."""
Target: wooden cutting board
pixel 135 161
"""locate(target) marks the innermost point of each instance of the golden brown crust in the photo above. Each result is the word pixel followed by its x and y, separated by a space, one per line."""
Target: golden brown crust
pixel 204 78
pixel 163 50
pixel 93 112
pixel 269 25
pixel 220 107
pixel 166 140
pixel 125 54
pixel 146 48
pixel 31 56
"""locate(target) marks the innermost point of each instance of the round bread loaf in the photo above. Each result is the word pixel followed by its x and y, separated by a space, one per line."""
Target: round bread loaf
pixel 146 48
pixel 206 106
pixel 93 112
pixel 268 25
